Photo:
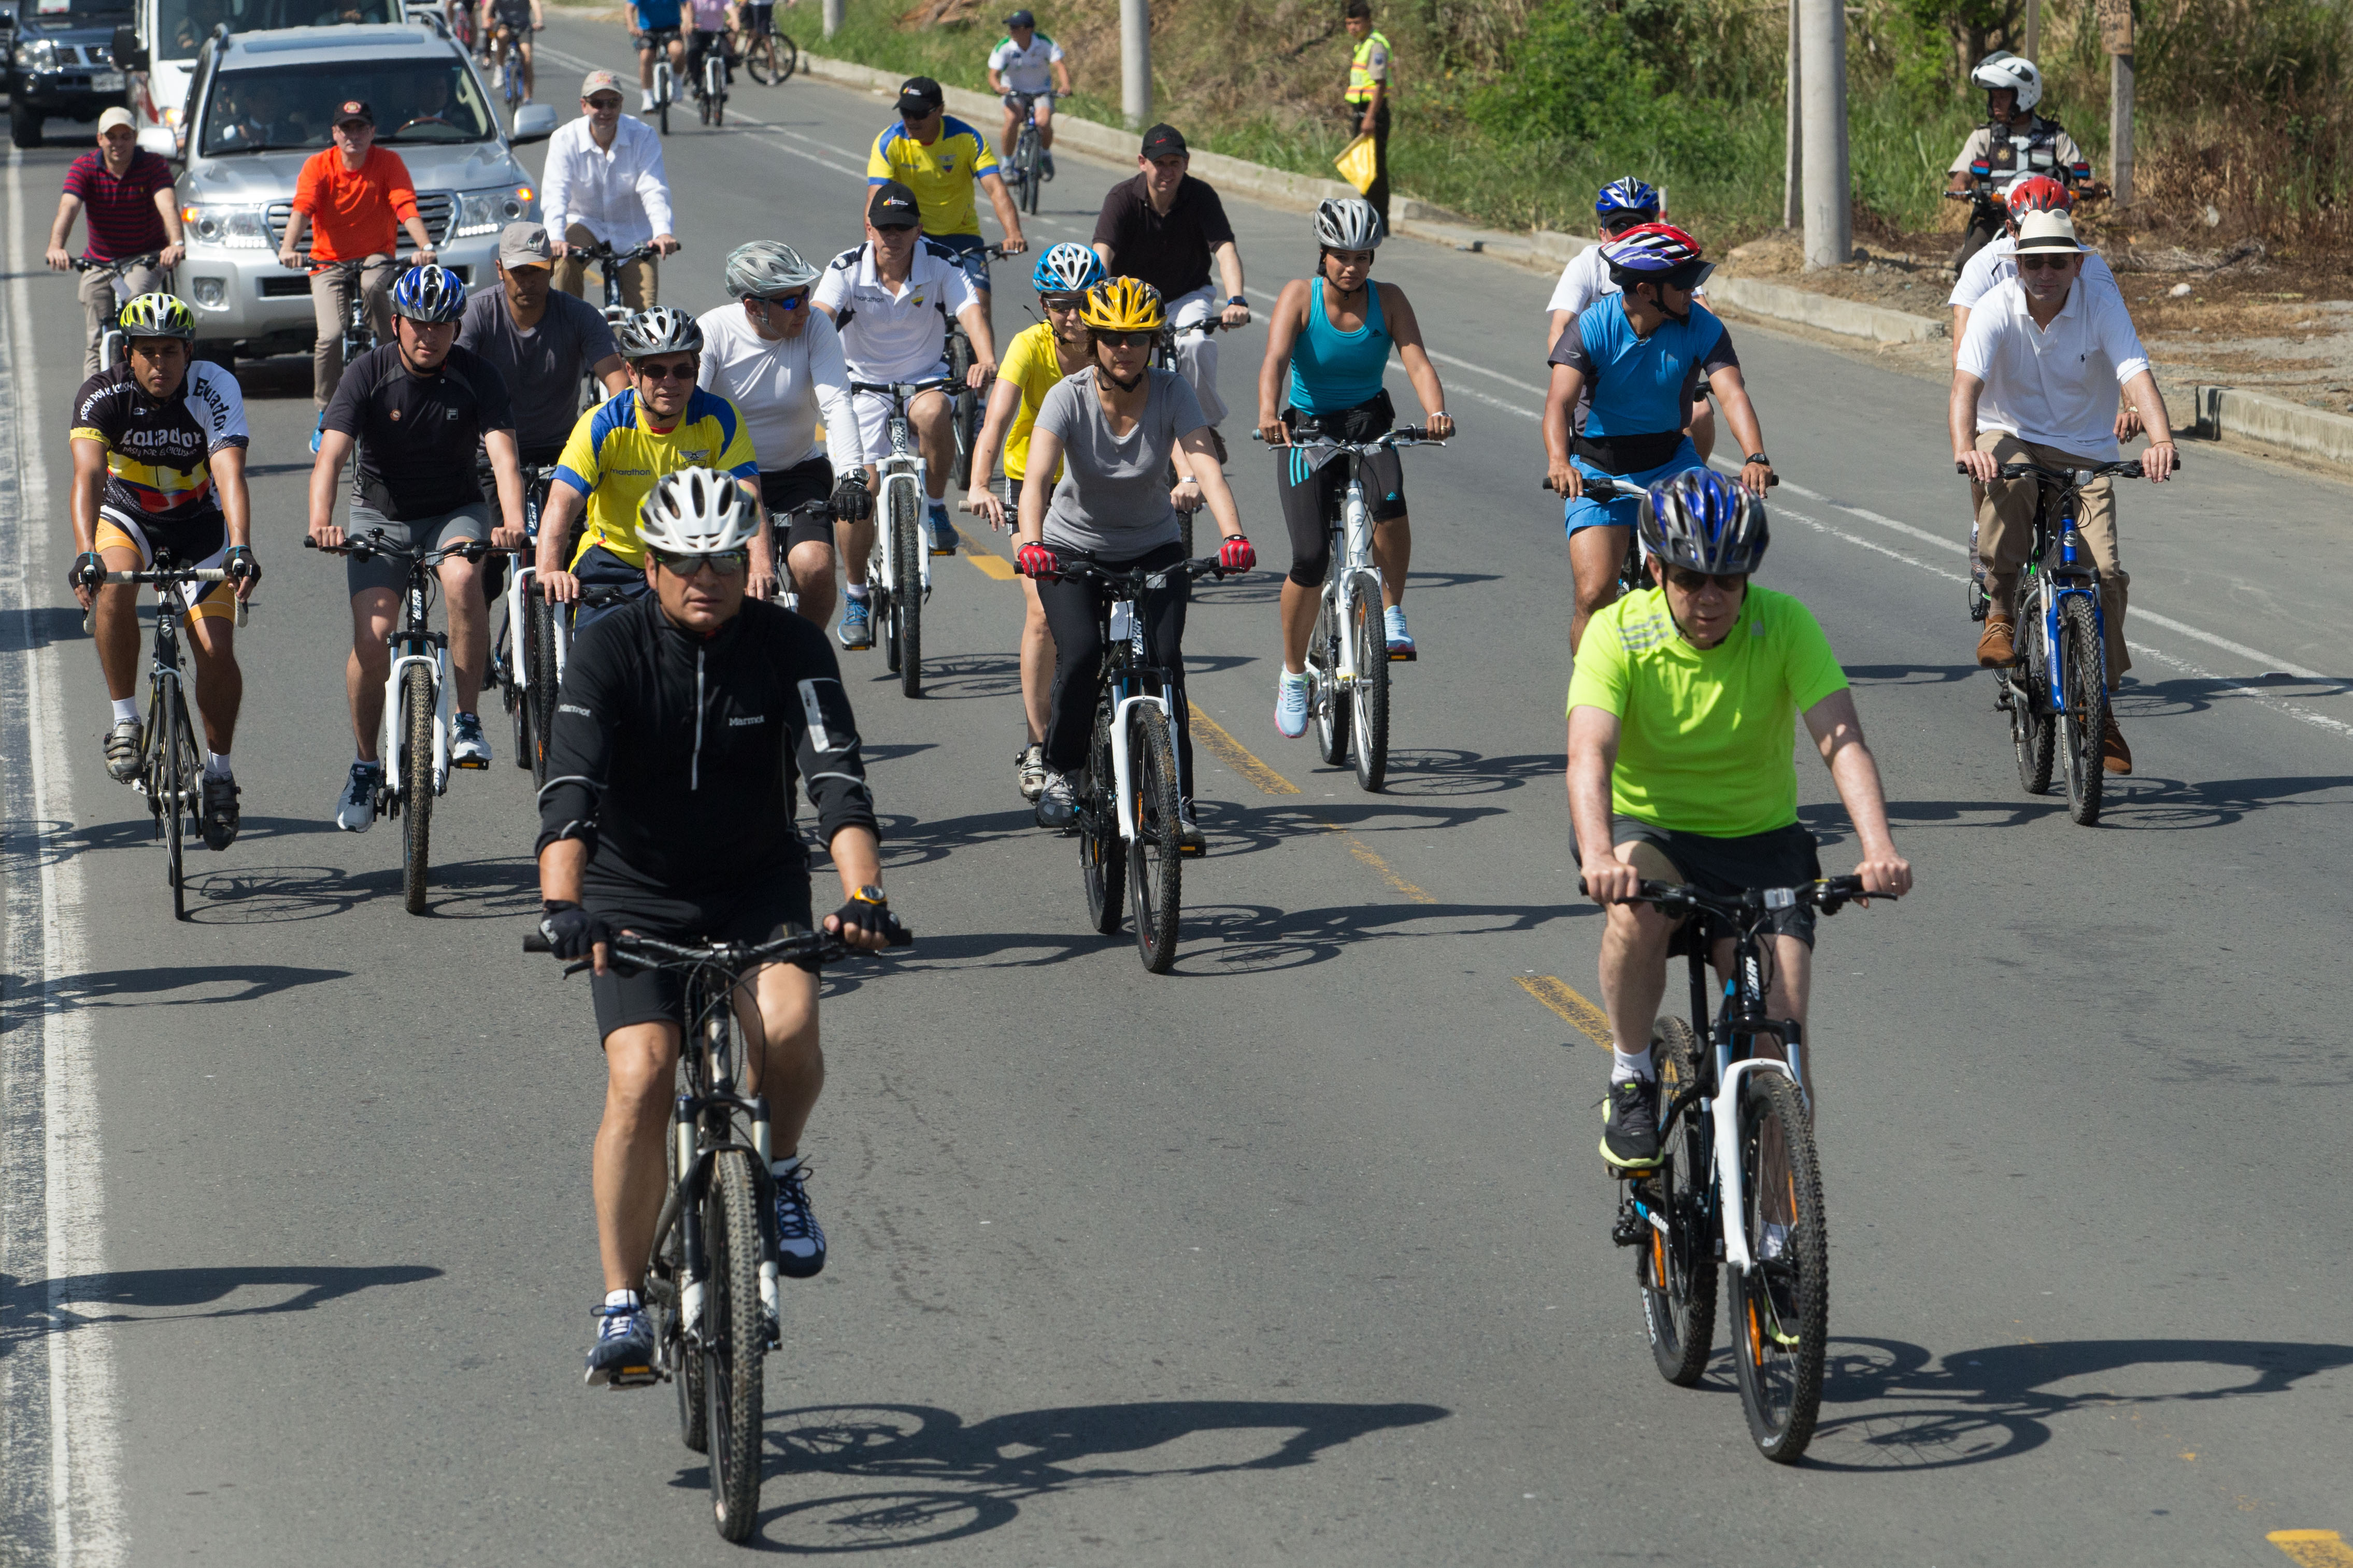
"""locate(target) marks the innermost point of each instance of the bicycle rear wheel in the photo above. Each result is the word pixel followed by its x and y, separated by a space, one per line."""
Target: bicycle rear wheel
pixel 1032 176
pixel 2084 723
pixel 735 1342
pixel 415 784
pixel 1154 879
pixel 1103 854
pixel 907 594
pixel 1368 699
pixel 1676 1268
pixel 788 57
pixel 1780 1308
pixel 760 60
pixel 539 699
pixel 1323 693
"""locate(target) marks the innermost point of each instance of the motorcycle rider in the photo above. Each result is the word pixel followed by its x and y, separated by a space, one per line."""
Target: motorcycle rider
pixel 2012 143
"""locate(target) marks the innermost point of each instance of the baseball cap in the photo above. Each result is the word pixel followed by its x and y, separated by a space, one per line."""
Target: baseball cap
pixel 525 244
pixel 2047 232
pixel 892 206
pixel 115 117
pixel 1021 20
pixel 596 82
pixel 920 96
pixel 354 108
pixel 1165 142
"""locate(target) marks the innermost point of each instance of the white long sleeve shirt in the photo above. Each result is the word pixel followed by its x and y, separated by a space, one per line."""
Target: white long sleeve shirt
pixel 2056 386
pixel 619 194
pixel 783 388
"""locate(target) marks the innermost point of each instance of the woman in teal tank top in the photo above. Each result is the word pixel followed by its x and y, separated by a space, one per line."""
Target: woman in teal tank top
pixel 1327 352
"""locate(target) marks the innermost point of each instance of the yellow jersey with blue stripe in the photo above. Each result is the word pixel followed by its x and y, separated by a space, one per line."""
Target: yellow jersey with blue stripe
pixel 941 174
pixel 614 456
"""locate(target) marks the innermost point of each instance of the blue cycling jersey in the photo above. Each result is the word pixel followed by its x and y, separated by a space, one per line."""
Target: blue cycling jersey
pixel 656 16
pixel 1636 385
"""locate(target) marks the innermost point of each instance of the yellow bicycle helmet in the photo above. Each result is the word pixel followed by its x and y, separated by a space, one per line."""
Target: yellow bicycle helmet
pixel 1124 305
pixel 158 316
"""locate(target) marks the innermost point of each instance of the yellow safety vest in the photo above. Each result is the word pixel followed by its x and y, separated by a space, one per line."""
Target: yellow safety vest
pixel 1360 75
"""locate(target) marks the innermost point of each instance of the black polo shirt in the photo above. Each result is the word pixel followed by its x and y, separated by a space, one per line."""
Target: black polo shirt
pixel 418 434
pixel 1171 253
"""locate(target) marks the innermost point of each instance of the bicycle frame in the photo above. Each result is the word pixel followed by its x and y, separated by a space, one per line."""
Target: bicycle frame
pixel 2056 576
pixel 702 1126
pixel 1129 680
pixel 113 344
pixel 902 468
pixel 431 649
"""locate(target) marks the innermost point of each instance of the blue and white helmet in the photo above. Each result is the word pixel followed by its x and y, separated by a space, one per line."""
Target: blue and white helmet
pixel 1627 196
pixel 1069 268
pixel 1701 520
pixel 429 294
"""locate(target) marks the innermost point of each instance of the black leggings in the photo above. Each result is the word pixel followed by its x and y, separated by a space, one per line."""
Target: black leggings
pixel 1311 495
pixel 1074 612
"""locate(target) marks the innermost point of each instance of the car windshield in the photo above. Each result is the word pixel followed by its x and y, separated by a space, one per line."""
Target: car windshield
pixel 80 13
pixel 415 101
pixel 182 24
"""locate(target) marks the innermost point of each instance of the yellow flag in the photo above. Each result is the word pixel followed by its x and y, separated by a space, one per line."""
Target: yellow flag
pixel 1356 164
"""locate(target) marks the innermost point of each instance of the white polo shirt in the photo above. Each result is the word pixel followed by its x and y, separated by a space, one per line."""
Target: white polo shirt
pixel 2056 386
pixel 1999 260
pixel 1585 280
pixel 901 335
pixel 783 388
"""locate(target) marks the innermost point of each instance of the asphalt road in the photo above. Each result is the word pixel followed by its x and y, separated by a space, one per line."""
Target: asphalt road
pixel 1300 1254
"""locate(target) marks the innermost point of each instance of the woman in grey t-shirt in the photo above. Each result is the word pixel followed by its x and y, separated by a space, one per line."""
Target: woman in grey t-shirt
pixel 1114 428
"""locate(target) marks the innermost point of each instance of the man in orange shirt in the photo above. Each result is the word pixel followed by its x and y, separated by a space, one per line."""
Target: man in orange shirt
pixel 356 197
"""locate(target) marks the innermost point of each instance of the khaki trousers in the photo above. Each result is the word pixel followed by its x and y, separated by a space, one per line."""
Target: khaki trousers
pixel 331 300
pixel 640 280
pixel 2006 532
pixel 99 307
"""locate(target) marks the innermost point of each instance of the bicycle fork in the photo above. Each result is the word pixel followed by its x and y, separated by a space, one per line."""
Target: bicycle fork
pixel 694 1184
pixel 435 658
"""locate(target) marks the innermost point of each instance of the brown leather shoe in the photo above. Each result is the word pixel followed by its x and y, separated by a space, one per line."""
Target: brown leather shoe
pixel 1998 646
pixel 2115 755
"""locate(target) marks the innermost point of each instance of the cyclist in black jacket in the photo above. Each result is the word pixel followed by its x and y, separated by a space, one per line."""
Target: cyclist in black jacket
pixel 685 719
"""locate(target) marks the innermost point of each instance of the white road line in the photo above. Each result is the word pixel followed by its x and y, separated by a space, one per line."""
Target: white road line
pixel 84 1496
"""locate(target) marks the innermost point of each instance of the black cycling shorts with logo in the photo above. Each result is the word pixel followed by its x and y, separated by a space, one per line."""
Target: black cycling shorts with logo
pixel 1783 857
pixel 776 904
pixel 798 500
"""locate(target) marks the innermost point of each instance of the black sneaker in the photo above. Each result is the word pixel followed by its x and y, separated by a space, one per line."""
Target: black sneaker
pixel 1630 1127
pixel 800 1240
pixel 624 1356
pixel 220 812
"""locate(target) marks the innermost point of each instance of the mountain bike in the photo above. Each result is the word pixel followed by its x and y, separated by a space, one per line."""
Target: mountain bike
pixel 769 55
pixel 1024 171
pixel 417 701
pixel 358 335
pixel 966 405
pixel 711 83
pixel 665 83
pixel 898 573
pixel 1128 798
pixel 171 760
pixel 517 631
pixel 113 348
pixel 506 66
pixel 1348 654
pixel 609 263
pixel 1738 1178
pixel 2056 693
pixel 712 1279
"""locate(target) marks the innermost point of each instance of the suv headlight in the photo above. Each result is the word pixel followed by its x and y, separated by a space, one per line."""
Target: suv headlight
pixel 486 211
pixel 36 55
pixel 229 227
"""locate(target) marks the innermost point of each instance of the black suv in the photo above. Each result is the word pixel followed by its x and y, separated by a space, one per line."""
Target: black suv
pixel 61 63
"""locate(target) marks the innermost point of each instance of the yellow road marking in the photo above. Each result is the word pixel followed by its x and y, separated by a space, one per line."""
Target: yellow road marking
pixel 1563 998
pixel 1237 756
pixel 992 565
pixel 2313 1548
pixel 1363 852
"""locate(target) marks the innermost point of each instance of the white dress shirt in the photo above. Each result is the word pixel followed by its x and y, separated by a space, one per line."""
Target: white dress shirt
pixel 2054 385
pixel 1998 259
pixel 619 193
pixel 900 336
pixel 782 387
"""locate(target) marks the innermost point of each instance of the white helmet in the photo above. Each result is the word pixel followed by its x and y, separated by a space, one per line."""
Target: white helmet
pixel 767 266
pixel 659 330
pixel 697 511
pixel 2001 68
pixel 1348 223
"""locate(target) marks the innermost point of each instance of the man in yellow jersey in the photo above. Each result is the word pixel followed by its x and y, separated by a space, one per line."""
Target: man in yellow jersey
pixel 938 157
pixel 1365 108
pixel 663 422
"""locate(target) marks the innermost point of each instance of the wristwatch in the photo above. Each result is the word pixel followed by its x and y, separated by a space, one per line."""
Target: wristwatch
pixel 870 894
pixel 1758 457
pixel 1238 300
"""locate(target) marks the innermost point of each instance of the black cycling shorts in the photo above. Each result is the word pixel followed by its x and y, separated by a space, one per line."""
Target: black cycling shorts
pixel 777 904
pixel 798 500
pixel 1781 858
pixel 1312 496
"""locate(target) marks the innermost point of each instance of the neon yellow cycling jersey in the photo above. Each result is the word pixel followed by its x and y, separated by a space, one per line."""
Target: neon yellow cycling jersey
pixel 613 458
pixel 941 174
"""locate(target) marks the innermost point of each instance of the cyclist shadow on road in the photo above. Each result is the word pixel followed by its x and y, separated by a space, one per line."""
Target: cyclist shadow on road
pixel 29 1308
pixel 55 842
pixel 945 1481
pixel 177 985
pixel 499 889
pixel 1890 1406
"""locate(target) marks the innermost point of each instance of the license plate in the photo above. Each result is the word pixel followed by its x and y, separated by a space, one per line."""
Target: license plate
pixel 106 81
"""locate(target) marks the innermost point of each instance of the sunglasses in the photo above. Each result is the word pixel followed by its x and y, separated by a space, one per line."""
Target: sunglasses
pixel 726 563
pixel 1125 340
pixel 783 301
pixel 653 372
pixel 1620 224
pixel 605 105
pixel 2041 263
pixel 894 229
pixel 1691 582
pixel 1062 304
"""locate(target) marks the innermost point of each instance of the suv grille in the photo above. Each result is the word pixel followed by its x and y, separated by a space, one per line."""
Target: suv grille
pixel 437 209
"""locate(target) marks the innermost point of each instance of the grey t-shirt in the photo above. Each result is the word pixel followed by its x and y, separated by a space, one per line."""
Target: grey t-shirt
pixel 544 365
pixel 1113 500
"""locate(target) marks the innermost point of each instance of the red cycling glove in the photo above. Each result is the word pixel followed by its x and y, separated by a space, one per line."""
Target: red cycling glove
pixel 1036 560
pixel 1236 554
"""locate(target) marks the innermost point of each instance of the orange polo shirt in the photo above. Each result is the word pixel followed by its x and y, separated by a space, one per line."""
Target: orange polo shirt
pixel 354 213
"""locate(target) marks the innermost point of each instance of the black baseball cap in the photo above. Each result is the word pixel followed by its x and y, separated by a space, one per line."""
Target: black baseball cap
pixel 1021 20
pixel 1166 141
pixel 920 96
pixel 354 108
pixel 892 206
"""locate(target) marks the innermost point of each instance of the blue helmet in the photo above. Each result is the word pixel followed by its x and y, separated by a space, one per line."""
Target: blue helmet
pixel 1627 196
pixel 429 294
pixel 1705 522
pixel 1069 268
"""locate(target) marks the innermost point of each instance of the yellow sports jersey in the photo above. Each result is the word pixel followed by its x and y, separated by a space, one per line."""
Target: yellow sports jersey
pixel 941 174
pixel 613 459
pixel 1030 364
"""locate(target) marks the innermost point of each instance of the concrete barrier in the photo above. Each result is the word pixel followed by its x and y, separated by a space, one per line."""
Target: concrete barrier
pixel 2225 411
pixel 1826 311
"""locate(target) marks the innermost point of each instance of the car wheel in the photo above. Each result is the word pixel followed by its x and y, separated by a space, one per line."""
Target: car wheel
pixel 23 125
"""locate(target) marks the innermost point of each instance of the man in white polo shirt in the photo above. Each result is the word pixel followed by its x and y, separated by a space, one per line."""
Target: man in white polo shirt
pixel 890 298
pixel 2036 379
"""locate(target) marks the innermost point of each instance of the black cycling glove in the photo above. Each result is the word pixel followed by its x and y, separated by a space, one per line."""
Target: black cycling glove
pixel 851 501
pixel 240 566
pixel 89 571
pixel 870 913
pixel 571 930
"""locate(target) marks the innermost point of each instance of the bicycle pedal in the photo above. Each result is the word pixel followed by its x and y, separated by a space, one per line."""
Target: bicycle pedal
pixel 636 1377
pixel 1406 655
pixel 473 766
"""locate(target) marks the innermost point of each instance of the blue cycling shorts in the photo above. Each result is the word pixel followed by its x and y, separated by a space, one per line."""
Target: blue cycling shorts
pixel 1625 511
pixel 971 255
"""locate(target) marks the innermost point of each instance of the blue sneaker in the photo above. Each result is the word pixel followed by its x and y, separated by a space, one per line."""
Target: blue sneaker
pixel 1290 705
pixel 317 431
pixel 624 1353
pixel 1400 640
pixel 944 534
pixel 857 628
pixel 800 1240
pixel 1046 164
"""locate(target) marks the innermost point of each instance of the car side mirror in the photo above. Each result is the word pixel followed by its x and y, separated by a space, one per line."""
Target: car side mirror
pixel 130 55
pixel 533 122
pixel 159 141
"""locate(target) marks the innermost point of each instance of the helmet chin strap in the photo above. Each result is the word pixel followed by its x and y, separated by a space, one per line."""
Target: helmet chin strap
pixel 1128 385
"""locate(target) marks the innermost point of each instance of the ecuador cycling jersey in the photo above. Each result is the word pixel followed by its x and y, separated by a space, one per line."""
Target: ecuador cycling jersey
pixel 158 451
pixel 1706 737
pixel 1637 385
pixel 614 457
pixel 941 174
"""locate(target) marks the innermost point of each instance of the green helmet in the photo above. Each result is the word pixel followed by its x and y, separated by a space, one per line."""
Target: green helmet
pixel 158 316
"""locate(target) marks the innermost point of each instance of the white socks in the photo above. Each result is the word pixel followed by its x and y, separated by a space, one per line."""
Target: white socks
pixel 216 765
pixel 856 590
pixel 622 1299
pixel 1624 1067
pixel 784 1166
pixel 126 709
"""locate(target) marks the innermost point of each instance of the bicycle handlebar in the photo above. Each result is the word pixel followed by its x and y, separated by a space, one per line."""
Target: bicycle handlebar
pixel 1828 894
pixel 172 577
pixel 374 542
pixel 1601 486
pixel 119 265
pixel 1403 436
pixel 630 953
pixel 2128 468
pixel 603 252
pixel 902 389
pixel 1141 577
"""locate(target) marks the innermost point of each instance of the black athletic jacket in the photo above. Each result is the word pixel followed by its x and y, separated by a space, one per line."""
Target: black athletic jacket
pixel 674 756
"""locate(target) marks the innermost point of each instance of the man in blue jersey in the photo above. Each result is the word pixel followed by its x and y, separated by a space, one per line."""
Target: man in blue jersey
pixel 1624 373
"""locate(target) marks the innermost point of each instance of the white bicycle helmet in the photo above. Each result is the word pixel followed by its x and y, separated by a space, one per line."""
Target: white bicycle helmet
pixel 767 266
pixel 697 511
pixel 1349 224
pixel 662 329
pixel 2001 68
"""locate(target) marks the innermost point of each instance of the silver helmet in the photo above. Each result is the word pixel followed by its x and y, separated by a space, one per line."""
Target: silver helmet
pixel 662 329
pixel 1349 224
pixel 767 266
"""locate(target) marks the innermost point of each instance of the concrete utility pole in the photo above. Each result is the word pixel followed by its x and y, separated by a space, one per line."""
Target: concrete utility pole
pixel 1829 222
pixel 1136 62
pixel 832 18
pixel 2033 49
pixel 1793 151
pixel 2117 38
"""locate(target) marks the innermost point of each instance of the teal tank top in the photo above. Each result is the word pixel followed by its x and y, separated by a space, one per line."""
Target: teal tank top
pixel 1331 370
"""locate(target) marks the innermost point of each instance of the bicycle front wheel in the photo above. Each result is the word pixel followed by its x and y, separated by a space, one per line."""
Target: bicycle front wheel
pixel 1032 174
pixel 1780 1308
pixel 171 782
pixel 539 700
pixel 907 594
pixel 415 784
pixel 1154 879
pixel 735 1342
pixel 1323 693
pixel 788 57
pixel 1103 854
pixel 2084 723
pixel 1676 1268
pixel 1368 699
pixel 760 61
